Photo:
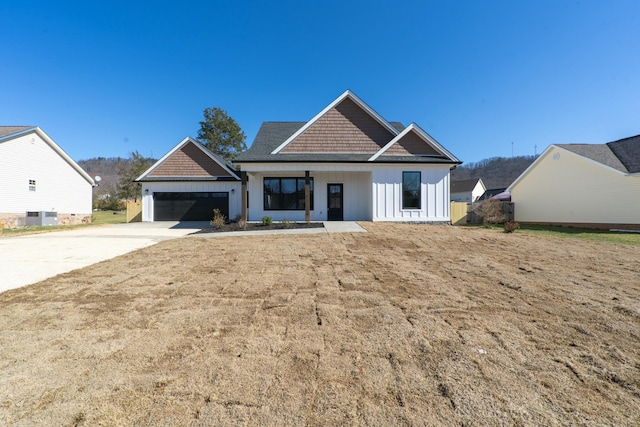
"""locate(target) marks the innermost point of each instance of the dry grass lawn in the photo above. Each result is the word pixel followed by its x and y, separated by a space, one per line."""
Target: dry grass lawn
pixel 404 325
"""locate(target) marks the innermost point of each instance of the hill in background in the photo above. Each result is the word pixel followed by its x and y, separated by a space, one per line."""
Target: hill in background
pixel 496 172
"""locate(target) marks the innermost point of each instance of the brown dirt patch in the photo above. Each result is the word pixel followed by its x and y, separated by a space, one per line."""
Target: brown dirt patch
pixel 404 325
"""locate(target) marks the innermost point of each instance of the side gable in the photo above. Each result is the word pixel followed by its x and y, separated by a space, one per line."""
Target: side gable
pixel 8 133
pixel 465 185
pixel 188 160
pixel 413 141
pixel 347 125
pixel 410 144
pixel 576 150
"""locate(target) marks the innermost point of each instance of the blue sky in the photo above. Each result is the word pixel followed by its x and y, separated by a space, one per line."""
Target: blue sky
pixel 107 78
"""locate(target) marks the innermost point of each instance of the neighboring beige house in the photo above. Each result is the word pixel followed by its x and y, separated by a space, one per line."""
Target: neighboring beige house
pixel 594 185
pixel 39 181
pixel 467 190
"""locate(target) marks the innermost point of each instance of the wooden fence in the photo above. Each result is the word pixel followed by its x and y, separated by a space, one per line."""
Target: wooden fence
pixel 134 210
pixel 459 213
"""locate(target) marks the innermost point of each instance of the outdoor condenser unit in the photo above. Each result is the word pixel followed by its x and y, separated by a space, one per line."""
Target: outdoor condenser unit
pixel 42 218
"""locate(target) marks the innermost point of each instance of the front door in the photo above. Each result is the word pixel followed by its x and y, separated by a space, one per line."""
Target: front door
pixel 334 202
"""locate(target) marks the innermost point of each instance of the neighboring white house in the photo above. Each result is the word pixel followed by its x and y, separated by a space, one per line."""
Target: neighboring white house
pixel 467 190
pixel 37 176
pixel 583 185
pixel 187 184
pixel 350 164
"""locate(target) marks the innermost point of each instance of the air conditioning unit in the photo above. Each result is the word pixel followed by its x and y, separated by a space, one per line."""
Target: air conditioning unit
pixel 39 218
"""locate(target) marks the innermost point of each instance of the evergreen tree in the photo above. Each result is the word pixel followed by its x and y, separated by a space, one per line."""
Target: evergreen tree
pixel 221 134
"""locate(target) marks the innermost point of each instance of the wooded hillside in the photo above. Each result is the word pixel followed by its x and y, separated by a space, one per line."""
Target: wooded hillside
pixel 496 172
pixel 107 169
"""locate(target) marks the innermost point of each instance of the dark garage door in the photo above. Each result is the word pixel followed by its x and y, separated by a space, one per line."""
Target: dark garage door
pixel 189 206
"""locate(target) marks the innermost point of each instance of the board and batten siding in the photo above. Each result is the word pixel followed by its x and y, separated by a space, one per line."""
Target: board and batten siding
pixel 563 187
pixel 387 194
pixel 356 195
pixel 59 187
pixel 235 200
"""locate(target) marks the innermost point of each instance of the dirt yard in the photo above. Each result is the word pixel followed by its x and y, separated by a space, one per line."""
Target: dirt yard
pixel 403 325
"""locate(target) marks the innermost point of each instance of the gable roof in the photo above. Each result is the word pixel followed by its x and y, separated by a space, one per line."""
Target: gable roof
pixel 464 185
pixel 189 161
pixel 8 133
pixel 622 156
pixel 362 128
pixel 347 130
pixel 600 153
pixel 10 130
pixel 424 146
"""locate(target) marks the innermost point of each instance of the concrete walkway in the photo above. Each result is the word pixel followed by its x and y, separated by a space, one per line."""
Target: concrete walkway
pixel 29 259
pixel 329 227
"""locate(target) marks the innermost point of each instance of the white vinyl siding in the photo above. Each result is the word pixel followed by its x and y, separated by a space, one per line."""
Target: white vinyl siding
pixel 434 193
pixel 356 196
pixel 34 177
pixel 235 199
pixel 371 192
pixel 563 187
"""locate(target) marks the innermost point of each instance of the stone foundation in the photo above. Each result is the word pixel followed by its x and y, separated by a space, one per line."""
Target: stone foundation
pixel 18 220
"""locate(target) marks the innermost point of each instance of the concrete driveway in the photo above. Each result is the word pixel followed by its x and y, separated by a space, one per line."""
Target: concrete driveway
pixel 29 259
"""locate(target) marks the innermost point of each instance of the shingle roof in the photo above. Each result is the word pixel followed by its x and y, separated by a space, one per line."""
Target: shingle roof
pixel 272 134
pixel 10 130
pixel 463 185
pixel 627 150
pixel 269 137
pixel 600 153
pixel 622 155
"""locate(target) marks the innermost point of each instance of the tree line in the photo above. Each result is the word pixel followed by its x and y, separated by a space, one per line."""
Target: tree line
pixel 495 172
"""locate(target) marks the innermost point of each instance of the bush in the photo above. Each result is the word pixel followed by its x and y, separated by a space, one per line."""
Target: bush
pixel 286 223
pixel 491 212
pixel 266 220
pixel 511 226
pixel 242 224
pixel 218 220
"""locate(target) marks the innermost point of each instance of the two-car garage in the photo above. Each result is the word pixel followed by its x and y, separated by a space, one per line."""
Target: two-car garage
pixel 194 206
pixel 188 184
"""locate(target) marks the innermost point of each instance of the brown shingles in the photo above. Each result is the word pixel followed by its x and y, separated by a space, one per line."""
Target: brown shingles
pixel 347 128
pixel 411 144
pixel 189 161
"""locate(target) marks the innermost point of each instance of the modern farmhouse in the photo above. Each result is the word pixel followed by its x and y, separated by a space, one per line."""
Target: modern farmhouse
pixel 346 163
pixel 39 182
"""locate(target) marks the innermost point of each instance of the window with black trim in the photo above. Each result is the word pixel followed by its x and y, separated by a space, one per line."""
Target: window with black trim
pixel 32 185
pixel 285 194
pixel 411 190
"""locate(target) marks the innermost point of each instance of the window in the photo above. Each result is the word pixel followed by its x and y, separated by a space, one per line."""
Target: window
pixel 285 194
pixel 411 190
pixel 32 185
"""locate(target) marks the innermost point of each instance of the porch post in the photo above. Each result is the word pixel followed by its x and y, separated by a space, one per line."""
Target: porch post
pixel 243 176
pixel 307 197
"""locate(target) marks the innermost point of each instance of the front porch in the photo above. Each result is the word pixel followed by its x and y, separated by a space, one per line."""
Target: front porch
pixel 333 195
